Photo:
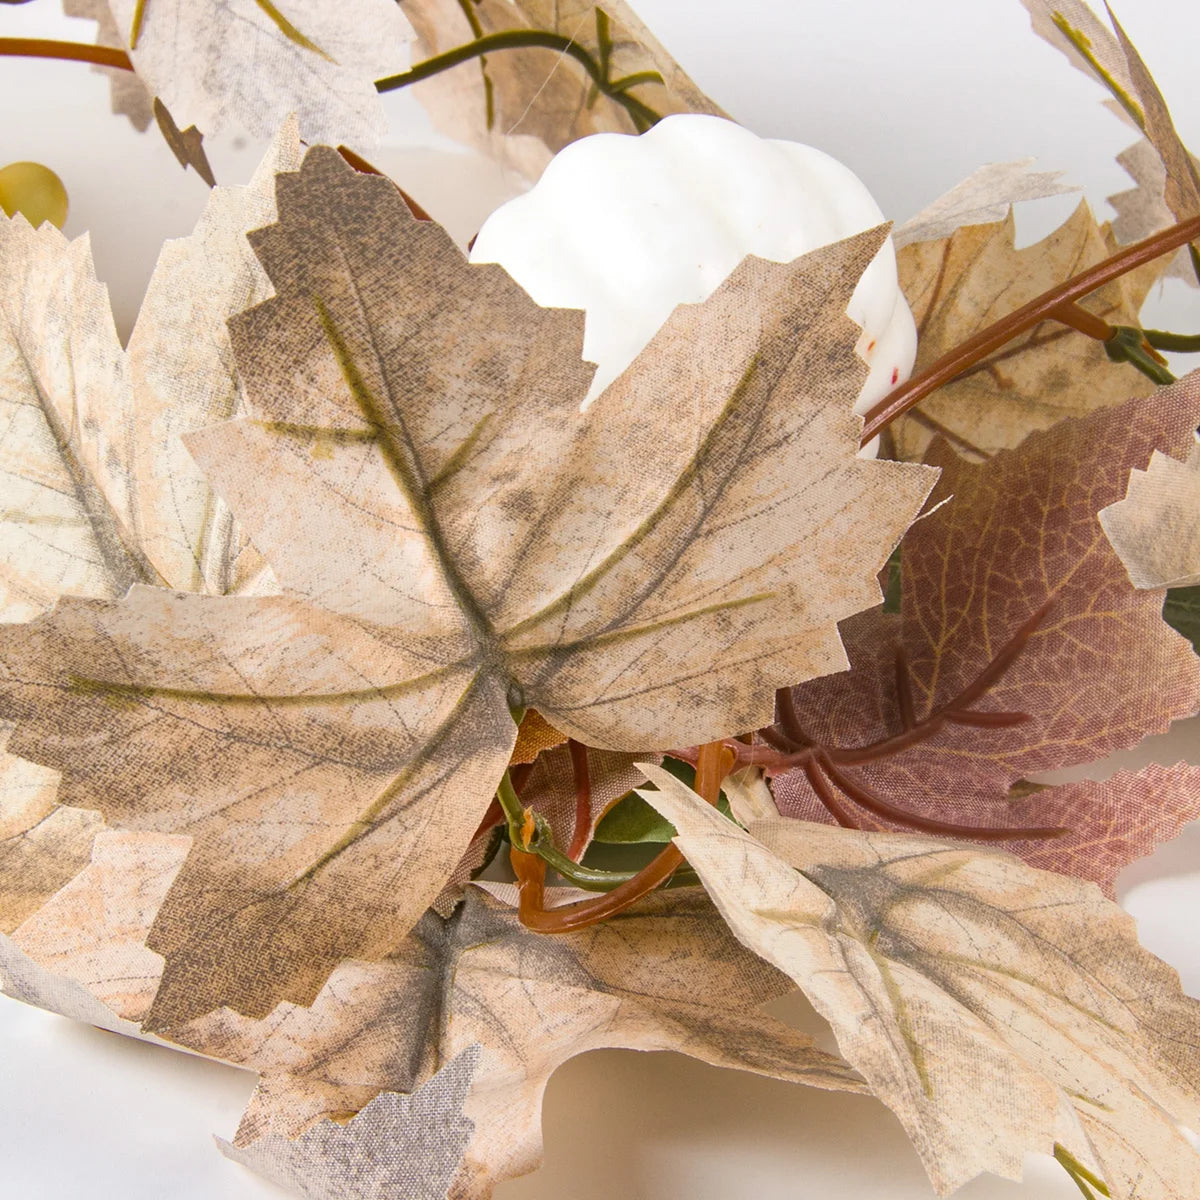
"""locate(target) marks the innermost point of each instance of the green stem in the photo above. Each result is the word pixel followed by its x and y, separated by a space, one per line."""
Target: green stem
pixel 976 348
pixel 1129 344
pixel 542 844
pixel 642 115
pixel 1084 1179
pixel 1181 343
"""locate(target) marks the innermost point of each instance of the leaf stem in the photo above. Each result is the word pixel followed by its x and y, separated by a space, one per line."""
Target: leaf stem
pixel 1084 1179
pixel 583 799
pixel 1180 343
pixel 100 56
pixel 1044 307
pixel 715 760
pixel 642 115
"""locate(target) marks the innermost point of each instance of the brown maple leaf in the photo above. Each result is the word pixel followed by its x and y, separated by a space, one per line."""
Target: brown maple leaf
pixel 453 539
pixel 1020 647
pixel 996 1009
pixel 959 285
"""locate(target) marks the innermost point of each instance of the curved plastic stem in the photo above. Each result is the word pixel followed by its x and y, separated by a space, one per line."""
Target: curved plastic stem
pixel 715 759
pixel 100 56
pixel 907 395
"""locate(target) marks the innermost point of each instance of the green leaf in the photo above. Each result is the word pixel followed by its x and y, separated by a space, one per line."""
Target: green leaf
pixel 1182 612
pixel 891 593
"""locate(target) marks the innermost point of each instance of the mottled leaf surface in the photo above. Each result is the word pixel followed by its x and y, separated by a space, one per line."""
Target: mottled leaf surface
pixel 1155 529
pixel 97 490
pixel 530 1002
pixel 996 1009
pixel 478 991
pixel 1013 602
pixel 453 537
pixel 409 1146
pixel 522 106
pixel 983 198
pixel 1166 175
pixel 249 64
pixel 958 286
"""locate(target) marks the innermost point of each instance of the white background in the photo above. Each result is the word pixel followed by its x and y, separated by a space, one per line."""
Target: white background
pixel 912 95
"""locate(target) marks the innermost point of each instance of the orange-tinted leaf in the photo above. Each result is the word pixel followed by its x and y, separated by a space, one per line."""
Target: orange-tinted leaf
pixel 535 735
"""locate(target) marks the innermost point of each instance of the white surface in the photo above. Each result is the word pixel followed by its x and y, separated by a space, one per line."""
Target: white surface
pixel 912 96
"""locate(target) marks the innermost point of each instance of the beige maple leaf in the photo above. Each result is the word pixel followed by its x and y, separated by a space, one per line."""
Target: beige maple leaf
pixel 959 285
pixel 1155 529
pixel 940 965
pixel 96 488
pixel 453 538
pixel 477 989
pixel 251 63
pixel 983 198
pixel 522 105
pixel 130 96
pixel 1165 172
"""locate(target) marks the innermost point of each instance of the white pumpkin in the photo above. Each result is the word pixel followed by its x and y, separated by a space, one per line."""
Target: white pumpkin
pixel 627 227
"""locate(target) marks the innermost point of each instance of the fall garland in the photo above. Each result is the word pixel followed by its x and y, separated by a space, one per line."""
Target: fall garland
pixel 345 658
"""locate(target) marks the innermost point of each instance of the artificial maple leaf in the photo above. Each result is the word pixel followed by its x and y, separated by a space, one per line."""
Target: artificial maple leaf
pixel 399 1145
pixel 1166 174
pixel 478 987
pixel 97 489
pixel 130 97
pixel 453 537
pixel 186 144
pixel 1155 529
pixel 524 105
pixel 959 285
pixel 983 198
pixel 251 63
pixel 1020 648
pixel 666 977
pixel 940 965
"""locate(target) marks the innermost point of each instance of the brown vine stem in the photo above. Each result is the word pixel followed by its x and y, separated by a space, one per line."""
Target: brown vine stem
pixel 829 769
pixel 900 399
pixel 715 761
pixel 100 56
pixel 583 799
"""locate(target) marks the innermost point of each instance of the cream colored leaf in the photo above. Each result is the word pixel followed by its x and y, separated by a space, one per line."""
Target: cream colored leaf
pixel 478 989
pixel 250 63
pixel 1156 529
pixel 959 285
pixel 667 976
pixel 96 489
pixel 1166 174
pixel 1142 209
pixel 983 198
pixel 92 931
pixel 523 105
pixel 130 96
pixel 453 537
pixel 996 1009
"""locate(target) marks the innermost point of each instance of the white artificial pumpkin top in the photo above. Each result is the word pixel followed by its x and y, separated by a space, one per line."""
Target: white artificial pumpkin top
pixel 627 227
